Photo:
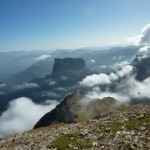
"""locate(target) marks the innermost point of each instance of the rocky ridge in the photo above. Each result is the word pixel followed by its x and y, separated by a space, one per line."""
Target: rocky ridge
pixel 77 107
pixel 124 129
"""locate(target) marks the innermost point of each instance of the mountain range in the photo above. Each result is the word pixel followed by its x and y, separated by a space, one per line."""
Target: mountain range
pixel 79 120
pixel 65 75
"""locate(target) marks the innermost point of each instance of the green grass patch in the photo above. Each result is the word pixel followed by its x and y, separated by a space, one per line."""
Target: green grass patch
pixel 63 142
pixel 114 127
pixel 136 123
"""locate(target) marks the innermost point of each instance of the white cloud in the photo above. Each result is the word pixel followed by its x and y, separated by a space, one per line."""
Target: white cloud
pixel 135 89
pixel 92 61
pixel 143 38
pixel 50 94
pixel 22 115
pixel 26 86
pixel 103 66
pixel 121 57
pixel 113 76
pixel 133 40
pixel 104 79
pixel 127 90
pixel 60 89
pixel 119 64
pixel 2 85
pixel 124 71
pixel 42 57
pixel 143 52
pixel 52 82
pixel 63 78
pixel 96 79
pixel 97 93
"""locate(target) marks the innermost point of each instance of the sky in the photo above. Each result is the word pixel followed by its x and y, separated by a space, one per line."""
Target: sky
pixel 57 24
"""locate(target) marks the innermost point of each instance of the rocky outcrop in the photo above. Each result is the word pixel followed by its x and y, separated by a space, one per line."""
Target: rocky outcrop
pixel 77 107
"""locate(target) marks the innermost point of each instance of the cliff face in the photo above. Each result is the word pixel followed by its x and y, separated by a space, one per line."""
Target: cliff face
pixel 142 67
pixel 77 107
pixel 67 65
pixel 62 112
pixel 69 70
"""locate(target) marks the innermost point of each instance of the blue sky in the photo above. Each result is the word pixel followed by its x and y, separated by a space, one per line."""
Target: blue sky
pixel 52 24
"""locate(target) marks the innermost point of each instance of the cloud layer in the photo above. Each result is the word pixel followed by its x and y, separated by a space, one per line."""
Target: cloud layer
pixel 128 88
pixel 22 115
pixel 104 79
pixel 26 86
pixel 144 52
pixel 42 57
pixel 144 38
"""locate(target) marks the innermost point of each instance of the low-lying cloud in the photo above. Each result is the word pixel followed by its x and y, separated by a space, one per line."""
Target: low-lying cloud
pixel 97 93
pixel 92 61
pixel 26 86
pixel 95 79
pixel 22 115
pixel 104 79
pixel 135 89
pixel 143 52
pixel 127 90
pixel 42 57
pixel 144 38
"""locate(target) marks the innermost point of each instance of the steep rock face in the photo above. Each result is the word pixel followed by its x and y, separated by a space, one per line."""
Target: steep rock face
pixel 62 113
pixel 142 67
pixel 68 65
pixel 77 107
pixel 68 71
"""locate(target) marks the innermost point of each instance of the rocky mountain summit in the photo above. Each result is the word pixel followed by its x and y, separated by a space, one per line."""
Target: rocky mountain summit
pixel 77 107
pixel 125 129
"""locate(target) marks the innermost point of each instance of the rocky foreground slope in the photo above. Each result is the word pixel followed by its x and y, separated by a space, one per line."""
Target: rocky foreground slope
pixel 124 129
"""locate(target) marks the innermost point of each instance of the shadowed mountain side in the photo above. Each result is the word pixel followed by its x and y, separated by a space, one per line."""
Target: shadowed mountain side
pixel 77 107
pixel 37 70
